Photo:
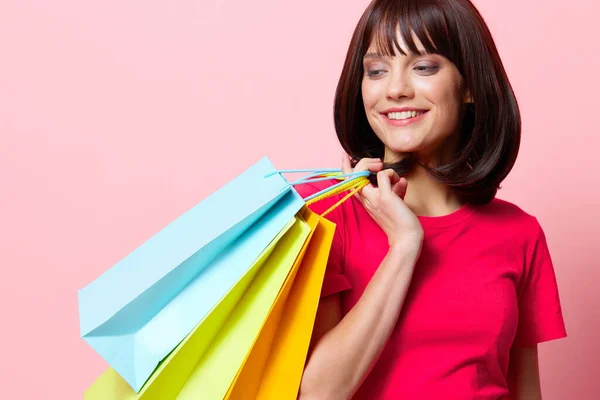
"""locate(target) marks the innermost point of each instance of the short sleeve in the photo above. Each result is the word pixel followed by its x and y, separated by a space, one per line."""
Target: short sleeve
pixel 540 312
pixel 335 281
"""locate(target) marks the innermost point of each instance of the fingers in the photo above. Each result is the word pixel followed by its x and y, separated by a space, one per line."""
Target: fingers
pixel 367 194
pixel 394 177
pixel 369 164
pixel 399 184
pixel 400 188
pixel 389 181
pixel 384 180
pixel 371 194
pixel 365 164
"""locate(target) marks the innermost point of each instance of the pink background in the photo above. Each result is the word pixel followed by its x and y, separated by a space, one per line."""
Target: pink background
pixel 117 116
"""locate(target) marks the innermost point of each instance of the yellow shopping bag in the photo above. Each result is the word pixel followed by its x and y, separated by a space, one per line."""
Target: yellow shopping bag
pixel 275 365
pixel 218 368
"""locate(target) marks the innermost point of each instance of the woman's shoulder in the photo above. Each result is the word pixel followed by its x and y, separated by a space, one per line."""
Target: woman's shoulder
pixel 504 213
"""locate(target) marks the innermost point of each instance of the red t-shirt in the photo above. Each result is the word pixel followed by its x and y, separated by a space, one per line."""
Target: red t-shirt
pixel 484 282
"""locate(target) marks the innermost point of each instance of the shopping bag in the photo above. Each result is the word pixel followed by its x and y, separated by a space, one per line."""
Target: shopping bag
pixel 218 368
pixel 275 365
pixel 284 343
pixel 174 371
pixel 272 366
pixel 138 311
pixel 234 337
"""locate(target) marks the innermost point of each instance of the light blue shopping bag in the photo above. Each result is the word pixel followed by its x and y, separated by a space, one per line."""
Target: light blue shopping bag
pixel 137 312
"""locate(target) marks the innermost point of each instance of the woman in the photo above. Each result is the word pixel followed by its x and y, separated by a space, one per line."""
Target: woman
pixel 435 289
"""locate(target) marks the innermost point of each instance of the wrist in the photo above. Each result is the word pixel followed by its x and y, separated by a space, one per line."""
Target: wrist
pixel 406 250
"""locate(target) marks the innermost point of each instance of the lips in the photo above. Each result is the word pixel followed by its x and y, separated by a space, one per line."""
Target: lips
pixel 389 110
pixel 404 122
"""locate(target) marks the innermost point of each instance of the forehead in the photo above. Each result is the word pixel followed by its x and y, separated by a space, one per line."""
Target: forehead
pixel 381 42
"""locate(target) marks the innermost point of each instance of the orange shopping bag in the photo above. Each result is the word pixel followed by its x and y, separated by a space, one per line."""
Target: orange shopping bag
pixel 274 367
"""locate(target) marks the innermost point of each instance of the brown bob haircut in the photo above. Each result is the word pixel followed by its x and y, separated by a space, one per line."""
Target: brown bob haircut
pixel 490 132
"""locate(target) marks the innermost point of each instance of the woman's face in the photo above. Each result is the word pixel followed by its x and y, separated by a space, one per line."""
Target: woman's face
pixel 429 84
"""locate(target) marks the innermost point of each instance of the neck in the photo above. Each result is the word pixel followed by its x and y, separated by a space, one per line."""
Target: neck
pixel 426 197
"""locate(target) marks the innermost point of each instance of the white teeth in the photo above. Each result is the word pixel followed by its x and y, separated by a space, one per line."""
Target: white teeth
pixel 404 114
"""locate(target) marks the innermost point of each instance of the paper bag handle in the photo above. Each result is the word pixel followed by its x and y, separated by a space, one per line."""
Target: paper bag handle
pixel 353 181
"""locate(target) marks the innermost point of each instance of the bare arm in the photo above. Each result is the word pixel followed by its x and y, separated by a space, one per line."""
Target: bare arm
pixel 344 354
pixel 523 374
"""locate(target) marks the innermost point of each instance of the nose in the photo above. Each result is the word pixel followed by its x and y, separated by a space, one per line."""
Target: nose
pixel 400 86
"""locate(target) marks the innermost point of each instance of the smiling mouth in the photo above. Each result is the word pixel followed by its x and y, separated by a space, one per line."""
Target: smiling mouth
pixel 403 119
pixel 404 115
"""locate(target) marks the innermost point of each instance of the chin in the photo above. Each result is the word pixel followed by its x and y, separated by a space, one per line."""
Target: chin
pixel 404 146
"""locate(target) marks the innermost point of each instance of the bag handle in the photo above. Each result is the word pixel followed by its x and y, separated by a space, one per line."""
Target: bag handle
pixel 353 181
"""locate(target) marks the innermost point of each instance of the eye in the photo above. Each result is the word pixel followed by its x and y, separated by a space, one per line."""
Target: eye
pixel 426 68
pixel 375 72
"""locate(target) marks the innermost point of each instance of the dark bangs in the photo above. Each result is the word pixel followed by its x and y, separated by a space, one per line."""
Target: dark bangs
pixel 491 126
pixel 426 22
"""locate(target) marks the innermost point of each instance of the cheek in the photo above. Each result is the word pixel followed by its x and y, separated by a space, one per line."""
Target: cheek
pixel 373 91
pixel 447 102
pixel 368 95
